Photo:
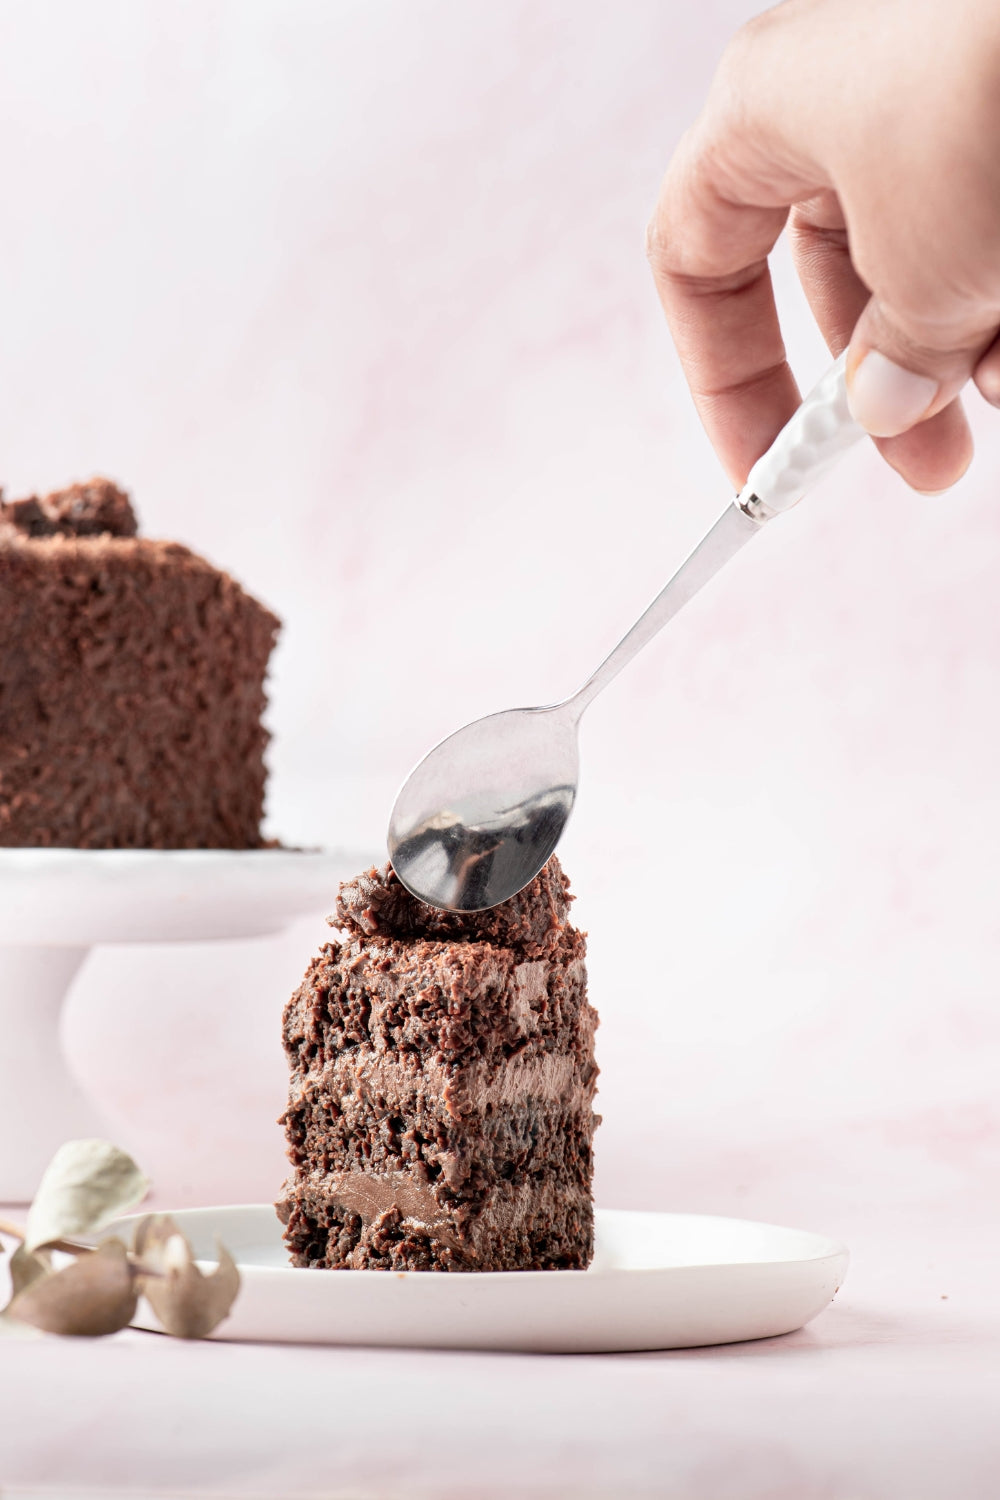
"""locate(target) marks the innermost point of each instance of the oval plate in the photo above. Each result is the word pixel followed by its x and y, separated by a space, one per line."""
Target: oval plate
pixel 658 1281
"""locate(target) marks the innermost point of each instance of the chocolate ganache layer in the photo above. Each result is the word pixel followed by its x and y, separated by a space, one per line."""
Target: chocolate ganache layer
pixel 440 1110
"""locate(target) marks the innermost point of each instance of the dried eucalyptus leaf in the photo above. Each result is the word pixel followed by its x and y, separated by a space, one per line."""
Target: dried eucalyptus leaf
pixel 93 1296
pixel 27 1266
pixel 188 1303
pixel 150 1237
pixel 85 1186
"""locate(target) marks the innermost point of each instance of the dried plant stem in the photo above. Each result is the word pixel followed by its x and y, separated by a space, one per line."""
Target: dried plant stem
pixel 68 1247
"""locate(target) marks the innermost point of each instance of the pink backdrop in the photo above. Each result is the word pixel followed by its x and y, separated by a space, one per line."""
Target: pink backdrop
pixel 353 298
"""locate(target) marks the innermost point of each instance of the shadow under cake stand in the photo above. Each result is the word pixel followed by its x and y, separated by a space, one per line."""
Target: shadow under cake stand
pixel 55 904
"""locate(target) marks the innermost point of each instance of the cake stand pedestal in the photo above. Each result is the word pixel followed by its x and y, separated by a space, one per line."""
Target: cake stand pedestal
pixel 56 904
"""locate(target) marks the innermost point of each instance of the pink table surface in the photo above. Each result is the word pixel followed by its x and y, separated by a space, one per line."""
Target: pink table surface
pixel 893 1392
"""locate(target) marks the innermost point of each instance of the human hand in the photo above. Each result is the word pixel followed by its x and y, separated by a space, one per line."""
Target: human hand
pixel 872 127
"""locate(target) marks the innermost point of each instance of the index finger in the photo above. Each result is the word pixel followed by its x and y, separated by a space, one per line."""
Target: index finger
pixel 708 245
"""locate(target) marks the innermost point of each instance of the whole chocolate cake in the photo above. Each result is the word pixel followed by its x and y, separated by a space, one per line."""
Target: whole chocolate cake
pixel 131 684
pixel 440 1115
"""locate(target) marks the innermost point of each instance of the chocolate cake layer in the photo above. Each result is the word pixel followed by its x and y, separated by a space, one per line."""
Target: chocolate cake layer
pixel 458 1157
pixel 447 1000
pixel 441 1103
pixel 131 681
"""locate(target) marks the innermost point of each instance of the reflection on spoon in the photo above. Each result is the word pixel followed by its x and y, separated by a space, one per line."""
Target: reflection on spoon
pixel 462 862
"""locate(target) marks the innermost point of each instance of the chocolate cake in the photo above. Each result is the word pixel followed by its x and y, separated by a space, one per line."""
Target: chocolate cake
pixel 131 684
pixel 440 1115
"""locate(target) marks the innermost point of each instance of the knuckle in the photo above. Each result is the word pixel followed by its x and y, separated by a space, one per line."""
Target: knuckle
pixel 741 57
pixel 987 373
pixel 746 39
pixel 665 247
pixel 929 294
pixel 655 243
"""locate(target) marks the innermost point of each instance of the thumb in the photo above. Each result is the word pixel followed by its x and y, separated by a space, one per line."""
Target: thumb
pixel 899 375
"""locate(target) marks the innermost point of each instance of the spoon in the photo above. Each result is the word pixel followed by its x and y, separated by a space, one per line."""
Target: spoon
pixel 479 816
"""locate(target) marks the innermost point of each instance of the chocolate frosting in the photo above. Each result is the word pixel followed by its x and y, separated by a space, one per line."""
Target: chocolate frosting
pixel 377 904
pixel 397 1080
pixel 97 508
pixel 369 1196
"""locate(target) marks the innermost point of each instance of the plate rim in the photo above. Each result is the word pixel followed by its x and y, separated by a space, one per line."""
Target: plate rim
pixel 828 1249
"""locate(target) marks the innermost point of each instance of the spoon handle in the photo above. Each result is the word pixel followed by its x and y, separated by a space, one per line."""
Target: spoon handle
pixel 809 444
pixel 731 532
pixel 819 433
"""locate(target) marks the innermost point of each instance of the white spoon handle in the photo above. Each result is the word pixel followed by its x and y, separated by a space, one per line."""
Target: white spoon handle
pixel 820 432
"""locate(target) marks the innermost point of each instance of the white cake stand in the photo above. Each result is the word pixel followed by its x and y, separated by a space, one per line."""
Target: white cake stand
pixel 55 904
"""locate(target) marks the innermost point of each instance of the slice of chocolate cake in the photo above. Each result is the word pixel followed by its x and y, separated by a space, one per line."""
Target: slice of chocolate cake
pixel 131 684
pixel 440 1115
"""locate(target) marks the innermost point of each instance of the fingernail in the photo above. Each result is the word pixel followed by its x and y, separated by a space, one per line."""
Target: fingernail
pixel 886 399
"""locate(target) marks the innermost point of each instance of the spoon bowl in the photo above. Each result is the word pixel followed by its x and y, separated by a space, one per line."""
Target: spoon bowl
pixel 480 815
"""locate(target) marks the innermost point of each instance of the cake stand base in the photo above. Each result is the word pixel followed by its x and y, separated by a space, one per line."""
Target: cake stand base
pixel 56 904
pixel 41 1103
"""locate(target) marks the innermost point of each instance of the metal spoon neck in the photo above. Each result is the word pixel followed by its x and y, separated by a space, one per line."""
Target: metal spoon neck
pixel 731 531
pixel 576 706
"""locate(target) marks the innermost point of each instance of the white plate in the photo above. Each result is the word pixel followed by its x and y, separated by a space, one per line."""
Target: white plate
pixel 658 1281
pixel 77 897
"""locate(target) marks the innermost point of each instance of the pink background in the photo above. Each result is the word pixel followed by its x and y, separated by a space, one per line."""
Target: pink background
pixel 353 298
